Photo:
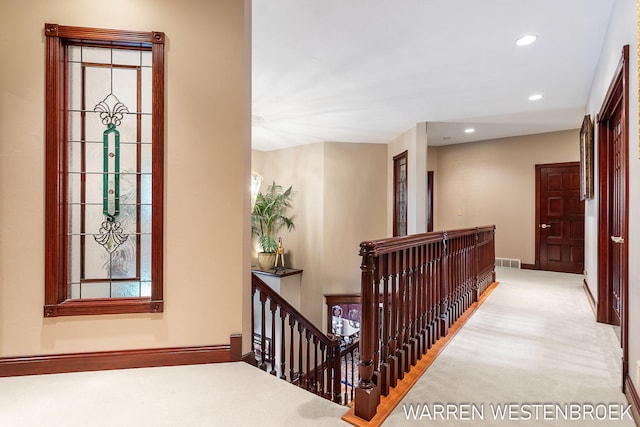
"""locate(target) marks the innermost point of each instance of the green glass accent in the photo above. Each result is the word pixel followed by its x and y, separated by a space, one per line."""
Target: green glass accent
pixel 105 175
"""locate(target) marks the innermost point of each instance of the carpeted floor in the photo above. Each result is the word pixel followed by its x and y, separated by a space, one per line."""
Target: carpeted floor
pixel 533 341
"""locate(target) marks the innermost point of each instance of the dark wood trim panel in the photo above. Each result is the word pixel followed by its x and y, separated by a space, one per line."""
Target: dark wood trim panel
pixel 235 351
pixel 538 174
pixel 616 93
pixel 157 166
pixel 592 301
pixel 430 200
pixel 404 156
pixel 537 230
pixel 104 306
pixel 333 299
pixel 57 302
pixel 287 272
pixel 617 96
pixel 108 360
pixel 102 34
pixel 632 397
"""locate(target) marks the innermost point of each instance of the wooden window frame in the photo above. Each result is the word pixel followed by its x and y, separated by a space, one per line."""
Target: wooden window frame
pixel 396 166
pixel 430 201
pixel 57 302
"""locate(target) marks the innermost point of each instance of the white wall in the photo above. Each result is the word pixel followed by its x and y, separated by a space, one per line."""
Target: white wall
pixel 623 30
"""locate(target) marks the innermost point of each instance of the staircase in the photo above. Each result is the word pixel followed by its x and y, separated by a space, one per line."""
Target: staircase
pixel 287 345
pixel 414 288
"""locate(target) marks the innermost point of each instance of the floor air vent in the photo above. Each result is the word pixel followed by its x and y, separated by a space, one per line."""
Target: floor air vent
pixel 507 262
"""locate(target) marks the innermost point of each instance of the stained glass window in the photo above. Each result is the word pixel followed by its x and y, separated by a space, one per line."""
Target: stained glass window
pixel 400 194
pixel 104 160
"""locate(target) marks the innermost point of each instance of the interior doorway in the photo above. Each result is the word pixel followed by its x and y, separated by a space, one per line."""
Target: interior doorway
pixel 613 178
pixel 559 218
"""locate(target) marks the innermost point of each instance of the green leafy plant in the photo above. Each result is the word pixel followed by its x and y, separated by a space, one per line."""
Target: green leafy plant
pixel 269 215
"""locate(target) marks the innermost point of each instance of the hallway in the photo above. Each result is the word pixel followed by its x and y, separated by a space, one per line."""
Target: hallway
pixel 533 341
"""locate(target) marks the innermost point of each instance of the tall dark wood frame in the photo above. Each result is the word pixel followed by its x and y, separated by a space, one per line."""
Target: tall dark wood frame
pixel 57 302
pixel 430 200
pixel 617 96
pixel 397 218
pixel 539 264
pixel 586 158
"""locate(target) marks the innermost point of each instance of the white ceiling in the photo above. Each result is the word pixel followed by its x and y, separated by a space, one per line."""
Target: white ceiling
pixel 368 70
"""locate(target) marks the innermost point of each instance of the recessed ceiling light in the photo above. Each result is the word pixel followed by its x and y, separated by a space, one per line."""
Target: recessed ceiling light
pixel 525 40
pixel 469 130
pixel 535 97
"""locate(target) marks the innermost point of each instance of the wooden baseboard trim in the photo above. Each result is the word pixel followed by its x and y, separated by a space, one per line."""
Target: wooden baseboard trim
pixel 633 399
pixel 524 266
pixel 235 348
pixel 397 393
pixel 592 300
pixel 123 359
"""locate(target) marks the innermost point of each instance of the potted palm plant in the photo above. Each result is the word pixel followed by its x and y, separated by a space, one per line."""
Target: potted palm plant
pixel 268 216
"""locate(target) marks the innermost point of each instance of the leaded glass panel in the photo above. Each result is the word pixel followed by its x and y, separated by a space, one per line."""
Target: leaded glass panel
pixel 109 152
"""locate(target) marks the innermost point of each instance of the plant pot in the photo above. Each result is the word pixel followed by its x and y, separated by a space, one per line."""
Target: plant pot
pixel 266 260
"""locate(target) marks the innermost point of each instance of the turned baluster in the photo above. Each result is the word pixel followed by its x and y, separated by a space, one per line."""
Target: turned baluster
pixel 263 300
pixel 323 389
pixel 300 371
pixel 393 324
pixel 272 349
pixel 308 365
pixel 406 308
pixel 283 315
pixel 383 268
pixel 315 364
pixel 292 376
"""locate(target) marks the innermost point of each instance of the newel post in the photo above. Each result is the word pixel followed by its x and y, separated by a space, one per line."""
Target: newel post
pixel 367 395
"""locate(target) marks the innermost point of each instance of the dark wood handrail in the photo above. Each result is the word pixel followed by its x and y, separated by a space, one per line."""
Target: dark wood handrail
pixel 413 288
pixel 257 282
pixel 313 357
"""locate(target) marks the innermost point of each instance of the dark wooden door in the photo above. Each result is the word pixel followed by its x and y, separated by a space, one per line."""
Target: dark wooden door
pixel 613 207
pixel 560 214
pixel 617 212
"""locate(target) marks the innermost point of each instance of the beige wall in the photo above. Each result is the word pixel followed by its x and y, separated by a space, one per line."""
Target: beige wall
pixel 206 170
pixel 339 201
pixel 355 206
pixel 414 141
pixel 433 156
pixel 301 167
pixel 493 182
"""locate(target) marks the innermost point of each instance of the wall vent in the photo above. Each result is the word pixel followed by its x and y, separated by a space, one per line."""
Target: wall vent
pixel 507 262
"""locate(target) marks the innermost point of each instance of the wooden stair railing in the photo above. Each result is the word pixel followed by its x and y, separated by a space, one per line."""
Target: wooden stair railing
pixel 413 289
pixel 289 346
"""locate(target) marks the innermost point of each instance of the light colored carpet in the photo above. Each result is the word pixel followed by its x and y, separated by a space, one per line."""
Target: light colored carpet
pixel 534 340
pixel 229 394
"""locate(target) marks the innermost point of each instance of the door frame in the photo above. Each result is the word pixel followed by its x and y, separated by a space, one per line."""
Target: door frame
pixel 538 192
pixel 617 95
